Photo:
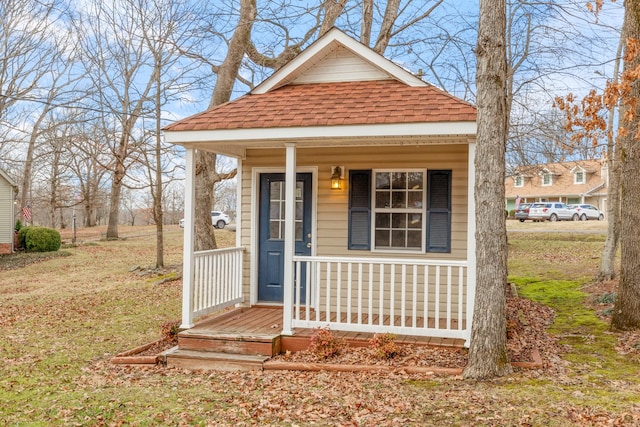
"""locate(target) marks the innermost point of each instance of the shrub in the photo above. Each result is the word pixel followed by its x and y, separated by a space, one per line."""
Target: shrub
pixel 385 346
pixel 18 226
pixel 512 213
pixel 22 236
pixel 324 344
pixel 39 239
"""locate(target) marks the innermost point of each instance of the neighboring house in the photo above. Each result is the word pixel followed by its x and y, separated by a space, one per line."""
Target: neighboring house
pixel 580 181
pixel 8 191
pixel 376 234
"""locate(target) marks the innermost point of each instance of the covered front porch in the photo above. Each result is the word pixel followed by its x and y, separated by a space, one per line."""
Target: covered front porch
pixel 245 338
pixel 430 299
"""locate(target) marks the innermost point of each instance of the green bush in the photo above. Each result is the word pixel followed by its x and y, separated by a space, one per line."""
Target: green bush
pixel 512 213
pixel 22 236
pixel 39 239
pixel 18 226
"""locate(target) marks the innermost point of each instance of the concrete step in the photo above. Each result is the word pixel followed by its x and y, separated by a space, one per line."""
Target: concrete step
pixel 209 360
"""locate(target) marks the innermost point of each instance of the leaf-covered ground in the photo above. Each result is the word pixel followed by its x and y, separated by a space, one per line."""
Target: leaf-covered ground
pixel 63 318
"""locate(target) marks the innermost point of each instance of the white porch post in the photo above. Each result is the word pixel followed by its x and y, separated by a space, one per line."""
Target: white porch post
pixel 289 237
pixel 187 257
pixel 471 241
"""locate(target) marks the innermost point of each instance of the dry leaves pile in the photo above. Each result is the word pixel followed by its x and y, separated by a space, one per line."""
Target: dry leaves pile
pixel 527 323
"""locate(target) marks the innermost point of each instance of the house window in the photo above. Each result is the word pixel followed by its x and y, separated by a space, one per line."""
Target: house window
pixel 546 179
pixel 579 177
pixel 398 210
pixel 518 181
pixel 404 210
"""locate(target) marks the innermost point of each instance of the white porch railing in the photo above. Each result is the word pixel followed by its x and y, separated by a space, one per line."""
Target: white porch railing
pixel 217 280
pixel 378 295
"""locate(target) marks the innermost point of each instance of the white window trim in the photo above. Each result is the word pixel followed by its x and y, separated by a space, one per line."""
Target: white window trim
pixel 516 179
pixel 550 179
pixel 575 177
pixel 422 210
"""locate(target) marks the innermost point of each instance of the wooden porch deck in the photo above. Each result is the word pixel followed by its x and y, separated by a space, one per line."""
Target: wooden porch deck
pixel 243 338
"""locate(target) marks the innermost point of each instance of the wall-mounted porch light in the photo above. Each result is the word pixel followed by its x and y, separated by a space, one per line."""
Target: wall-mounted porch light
pixel 337 173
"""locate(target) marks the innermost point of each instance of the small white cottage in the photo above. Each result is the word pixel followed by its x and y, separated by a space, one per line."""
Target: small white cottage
pixel 355 201
pixel 8 191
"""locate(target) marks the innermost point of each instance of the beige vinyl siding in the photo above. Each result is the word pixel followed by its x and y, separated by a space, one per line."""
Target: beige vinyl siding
pixel 6 212
pixel 341 66
pixel 332 205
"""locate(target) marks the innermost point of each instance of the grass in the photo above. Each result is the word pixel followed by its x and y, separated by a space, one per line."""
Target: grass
pixel 63 317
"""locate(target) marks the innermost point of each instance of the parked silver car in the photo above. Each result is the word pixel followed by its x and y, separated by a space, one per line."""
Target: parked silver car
pixel 586 212
pixel 218 219
pixel 552 211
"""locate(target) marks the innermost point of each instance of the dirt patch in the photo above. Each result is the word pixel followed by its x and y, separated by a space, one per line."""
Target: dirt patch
pixel 23 259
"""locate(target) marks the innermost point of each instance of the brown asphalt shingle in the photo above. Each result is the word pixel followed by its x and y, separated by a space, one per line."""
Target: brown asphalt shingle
pixel 333 104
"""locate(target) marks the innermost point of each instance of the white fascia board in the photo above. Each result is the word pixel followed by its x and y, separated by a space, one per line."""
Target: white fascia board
pixel 315 132
pixel 357 48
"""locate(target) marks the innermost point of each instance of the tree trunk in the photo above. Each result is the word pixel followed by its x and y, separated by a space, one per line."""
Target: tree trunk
pixel 390 16
pixel 488 350
pixel 206 173
pixel 607 263
pixel 626 312
pixel 116 187
pixel 367 22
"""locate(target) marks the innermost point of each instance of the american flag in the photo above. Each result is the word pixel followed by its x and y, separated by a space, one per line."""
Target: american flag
pixel 26 213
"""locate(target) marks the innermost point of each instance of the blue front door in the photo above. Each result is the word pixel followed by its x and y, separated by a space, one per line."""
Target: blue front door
pixel 271 232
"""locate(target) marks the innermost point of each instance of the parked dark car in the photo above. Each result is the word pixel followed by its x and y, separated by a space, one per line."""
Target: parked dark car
pixel 522 212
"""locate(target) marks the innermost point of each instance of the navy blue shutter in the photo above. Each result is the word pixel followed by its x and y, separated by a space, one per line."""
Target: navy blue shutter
pixel 439 211
pixel 360 209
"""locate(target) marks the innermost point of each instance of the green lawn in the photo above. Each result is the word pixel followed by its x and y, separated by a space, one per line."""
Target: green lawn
pixel 64 317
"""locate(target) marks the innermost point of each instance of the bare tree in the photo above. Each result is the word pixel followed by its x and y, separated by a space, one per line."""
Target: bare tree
pixel 163 39
pixel 120 68
pixel 92 154
pixel 607 269
pixel 35 68
pixel 488 351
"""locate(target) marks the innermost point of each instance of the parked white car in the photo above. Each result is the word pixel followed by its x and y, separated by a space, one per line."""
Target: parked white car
pixel 218 219
pixel 552 211
pixel 586 212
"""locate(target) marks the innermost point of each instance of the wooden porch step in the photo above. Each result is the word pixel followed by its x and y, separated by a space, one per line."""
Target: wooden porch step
pixel 233 343
pixel 207 360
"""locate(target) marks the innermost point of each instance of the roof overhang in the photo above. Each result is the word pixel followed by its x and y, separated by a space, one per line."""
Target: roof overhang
pixel 235 142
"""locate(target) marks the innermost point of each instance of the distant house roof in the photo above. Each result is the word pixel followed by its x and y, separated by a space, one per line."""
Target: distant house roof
pixel 563 181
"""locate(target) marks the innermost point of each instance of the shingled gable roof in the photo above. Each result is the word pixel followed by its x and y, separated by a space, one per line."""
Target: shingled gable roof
pixel 391 96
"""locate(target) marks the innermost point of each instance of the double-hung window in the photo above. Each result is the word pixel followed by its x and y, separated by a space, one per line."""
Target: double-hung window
pixel 400 210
